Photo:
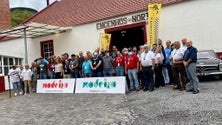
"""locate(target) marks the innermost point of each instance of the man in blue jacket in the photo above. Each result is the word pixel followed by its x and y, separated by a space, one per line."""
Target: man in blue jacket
pixel 189 61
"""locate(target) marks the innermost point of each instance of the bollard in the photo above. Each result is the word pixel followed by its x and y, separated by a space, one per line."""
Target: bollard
pixel 9 86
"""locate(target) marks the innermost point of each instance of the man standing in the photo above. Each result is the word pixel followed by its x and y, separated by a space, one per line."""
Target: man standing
pixel 131 68
pixel 42 69
pixel 81 60
pixel 189 61
pixel 178 67
pixel 73 66
pixel 184 46
pixel 96 64
pixel 168 51
pixel 15 79
pixel 147 65
pixel 107 64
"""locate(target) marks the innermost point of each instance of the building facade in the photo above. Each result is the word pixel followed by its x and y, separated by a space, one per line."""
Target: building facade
pixel 197 20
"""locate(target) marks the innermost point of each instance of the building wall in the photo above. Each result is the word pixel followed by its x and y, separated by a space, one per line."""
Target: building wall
pixel 187 19
pixel 198 20
pixel 5 20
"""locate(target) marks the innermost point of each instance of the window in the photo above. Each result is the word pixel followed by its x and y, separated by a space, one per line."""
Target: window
pixel 6 65
pixel 47 48
pixel 7 62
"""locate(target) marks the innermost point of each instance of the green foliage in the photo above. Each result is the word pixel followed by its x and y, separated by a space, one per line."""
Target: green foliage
pixel 18 16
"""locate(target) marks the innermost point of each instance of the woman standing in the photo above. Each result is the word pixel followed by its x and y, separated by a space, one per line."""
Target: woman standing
pixel 159 80
pixel 119 64
pixel 58 68
pixel 66 71
pixel 34 75
pixel 51 68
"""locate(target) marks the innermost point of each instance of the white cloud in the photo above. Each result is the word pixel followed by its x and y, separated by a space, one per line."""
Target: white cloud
pixel 34 4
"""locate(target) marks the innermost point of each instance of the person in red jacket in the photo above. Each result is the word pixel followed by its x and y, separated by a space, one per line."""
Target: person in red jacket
pixel 119 64
pixel 131 68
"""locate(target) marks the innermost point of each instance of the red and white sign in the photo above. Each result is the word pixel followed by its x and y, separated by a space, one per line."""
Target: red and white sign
pixel 56 86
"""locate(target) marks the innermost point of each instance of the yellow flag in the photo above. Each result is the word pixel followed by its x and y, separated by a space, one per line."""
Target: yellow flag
pixel 105 39
pixel 153 23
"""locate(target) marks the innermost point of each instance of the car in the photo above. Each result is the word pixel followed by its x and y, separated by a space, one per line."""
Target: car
pixel 208 64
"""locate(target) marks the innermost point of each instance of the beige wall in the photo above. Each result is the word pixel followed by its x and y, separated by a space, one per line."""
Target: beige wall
pixel 198 20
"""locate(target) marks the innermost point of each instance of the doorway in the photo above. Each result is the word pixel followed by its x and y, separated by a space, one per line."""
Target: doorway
pixel 128 36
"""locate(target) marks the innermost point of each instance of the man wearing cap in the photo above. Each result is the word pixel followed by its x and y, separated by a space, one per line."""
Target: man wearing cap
pixel 42 69
pixel 147 65
pixel 15 79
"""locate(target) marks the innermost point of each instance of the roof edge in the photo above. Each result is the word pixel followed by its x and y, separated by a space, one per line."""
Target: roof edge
pixel 27 20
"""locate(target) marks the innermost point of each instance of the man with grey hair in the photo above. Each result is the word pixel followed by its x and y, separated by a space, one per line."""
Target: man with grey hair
pixel 189 61
pixel 178 67
pixel 184 46
pixel 147 65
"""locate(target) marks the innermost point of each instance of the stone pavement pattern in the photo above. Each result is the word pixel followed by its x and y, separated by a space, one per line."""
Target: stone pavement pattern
pixel 164 106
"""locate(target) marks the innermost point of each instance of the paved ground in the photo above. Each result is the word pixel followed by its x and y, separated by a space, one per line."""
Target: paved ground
pixel 161 107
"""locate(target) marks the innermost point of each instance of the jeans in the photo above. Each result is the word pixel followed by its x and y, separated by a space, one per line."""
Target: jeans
pixel 119 71
pixel 170 73
pixel 97 74
pixel 74 74
pixel 192 76
pixel 86 75
pixel 15 85
pixel 43 76
pixel 133 78
pixel 107 72
pixel 148 77
pixel 52 75
pixel 80 73
pixel 165 75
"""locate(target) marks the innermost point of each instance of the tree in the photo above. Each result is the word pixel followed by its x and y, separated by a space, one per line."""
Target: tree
pixel 18 16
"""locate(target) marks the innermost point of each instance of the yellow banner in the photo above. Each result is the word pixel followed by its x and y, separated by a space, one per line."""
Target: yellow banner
pixel 105 41
pixel 153 23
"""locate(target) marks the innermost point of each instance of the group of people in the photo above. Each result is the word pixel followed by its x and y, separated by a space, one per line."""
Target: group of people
pixel 147 68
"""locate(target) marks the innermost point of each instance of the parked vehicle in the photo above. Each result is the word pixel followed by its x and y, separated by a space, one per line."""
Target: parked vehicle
pixel 208 63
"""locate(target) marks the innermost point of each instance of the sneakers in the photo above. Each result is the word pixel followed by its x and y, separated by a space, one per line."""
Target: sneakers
pixel 16 94
pixel 20 93
pixel 196 92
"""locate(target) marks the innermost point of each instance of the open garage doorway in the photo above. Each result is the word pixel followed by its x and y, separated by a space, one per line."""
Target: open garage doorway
pixel 128 36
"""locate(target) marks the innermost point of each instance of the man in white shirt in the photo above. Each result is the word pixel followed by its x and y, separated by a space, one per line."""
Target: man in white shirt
pixel 27 77
pixel 178 67
pixel 147 65
pixel 15 79
pixel 184 47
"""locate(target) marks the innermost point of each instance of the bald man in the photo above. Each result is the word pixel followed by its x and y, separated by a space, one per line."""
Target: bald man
pixel 189 61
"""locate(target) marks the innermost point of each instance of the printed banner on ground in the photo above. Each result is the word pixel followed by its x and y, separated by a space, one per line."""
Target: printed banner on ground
pixel 56 86
pixel 153 23
pixel 101 85
pixel 105 41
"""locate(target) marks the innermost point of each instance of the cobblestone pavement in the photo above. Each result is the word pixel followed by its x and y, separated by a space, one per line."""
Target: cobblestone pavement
pixel 164 106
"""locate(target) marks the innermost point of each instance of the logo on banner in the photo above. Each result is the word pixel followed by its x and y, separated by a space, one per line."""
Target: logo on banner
pixel 153 23
pixel 100 84
pixel 55 86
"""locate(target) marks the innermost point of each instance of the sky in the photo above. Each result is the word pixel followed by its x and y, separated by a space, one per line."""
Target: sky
pixel 34 4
